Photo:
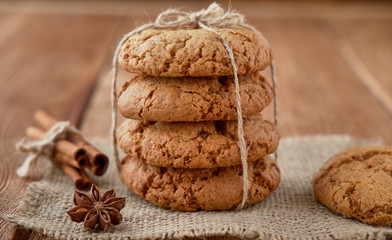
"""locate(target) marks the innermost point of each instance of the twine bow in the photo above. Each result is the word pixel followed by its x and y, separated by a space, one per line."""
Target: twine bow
pixel 44 147
pixel 213 16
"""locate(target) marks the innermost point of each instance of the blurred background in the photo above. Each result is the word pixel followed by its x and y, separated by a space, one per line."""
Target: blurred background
pixel 333 61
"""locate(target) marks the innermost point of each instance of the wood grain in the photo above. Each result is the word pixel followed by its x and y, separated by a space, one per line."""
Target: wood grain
pixel 47 61
pixel 369 54
pixel 97 119
pixel 251 8
pixel 318 91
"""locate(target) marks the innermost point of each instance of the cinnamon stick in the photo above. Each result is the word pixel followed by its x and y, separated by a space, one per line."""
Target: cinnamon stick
pixel 66 151
pixel 44 119
pixel 98 162
pixel 62 158
pixel 78 177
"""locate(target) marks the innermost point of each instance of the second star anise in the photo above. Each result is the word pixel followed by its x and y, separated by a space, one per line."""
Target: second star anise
pixel 96 211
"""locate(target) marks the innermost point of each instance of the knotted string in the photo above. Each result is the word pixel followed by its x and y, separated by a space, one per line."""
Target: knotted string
pixel 44 147
pixel 213 16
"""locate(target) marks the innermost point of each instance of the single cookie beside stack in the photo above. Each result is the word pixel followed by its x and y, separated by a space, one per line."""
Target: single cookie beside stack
pixel 181 140
pixel 357 183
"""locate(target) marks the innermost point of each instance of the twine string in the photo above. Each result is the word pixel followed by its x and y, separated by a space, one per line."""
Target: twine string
pixel 213 16
pixel 275 100
pixel 44 147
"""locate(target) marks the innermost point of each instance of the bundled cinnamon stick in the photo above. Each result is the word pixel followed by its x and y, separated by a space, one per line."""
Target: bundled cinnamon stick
pixel 98 162
pixel 78 176
pixel 65 151
pixel 71 158
pixel 71 152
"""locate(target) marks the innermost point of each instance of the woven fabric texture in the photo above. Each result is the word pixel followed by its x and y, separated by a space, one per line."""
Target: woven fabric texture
pixel 291 212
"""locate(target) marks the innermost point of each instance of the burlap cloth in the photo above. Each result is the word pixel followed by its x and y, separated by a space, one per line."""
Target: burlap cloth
pixel 291 212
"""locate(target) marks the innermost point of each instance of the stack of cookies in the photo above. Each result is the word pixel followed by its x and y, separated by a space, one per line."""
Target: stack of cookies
pixel 181 138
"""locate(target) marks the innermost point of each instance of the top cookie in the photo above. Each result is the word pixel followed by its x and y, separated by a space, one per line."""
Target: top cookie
pixel 194 52
pixel 357 183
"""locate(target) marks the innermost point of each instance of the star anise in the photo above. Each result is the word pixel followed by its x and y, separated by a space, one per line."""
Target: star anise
pixel 96 210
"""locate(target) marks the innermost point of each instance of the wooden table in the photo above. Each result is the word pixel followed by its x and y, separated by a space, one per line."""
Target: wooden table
pixel 333 65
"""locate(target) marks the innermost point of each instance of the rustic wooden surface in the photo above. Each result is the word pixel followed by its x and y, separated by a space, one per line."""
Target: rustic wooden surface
pixel 333 65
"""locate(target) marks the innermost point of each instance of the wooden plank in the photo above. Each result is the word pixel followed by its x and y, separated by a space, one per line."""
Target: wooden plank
pixel 47 61
pixel 97 119
pixel 318 92
pixel 9 25
pixel 366 47
pixel 266 9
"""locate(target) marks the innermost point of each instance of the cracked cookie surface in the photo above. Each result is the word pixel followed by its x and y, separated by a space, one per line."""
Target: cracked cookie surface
pixel 192 99
pixel 357 183
pixel 194 52
pixel 196 189
pixel 196 145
